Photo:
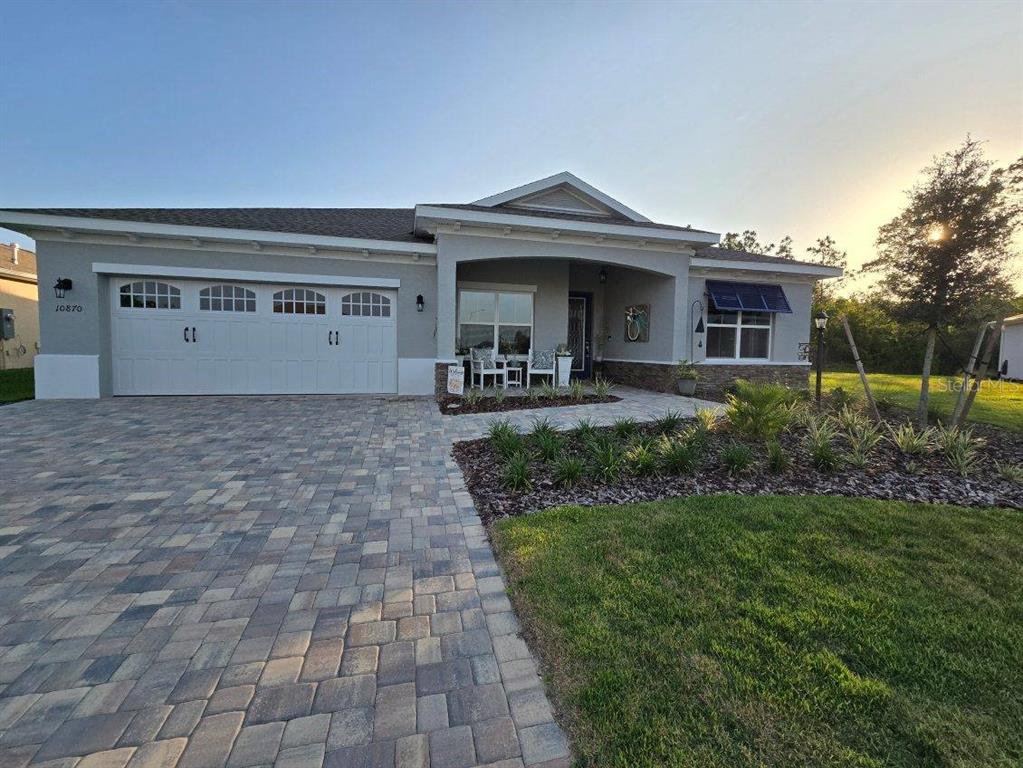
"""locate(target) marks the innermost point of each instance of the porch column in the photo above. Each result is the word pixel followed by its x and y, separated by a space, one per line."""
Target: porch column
pixel 681 331
pixel 447 270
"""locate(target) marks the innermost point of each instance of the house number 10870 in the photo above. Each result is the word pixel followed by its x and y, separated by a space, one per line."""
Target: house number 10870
pixel 69 307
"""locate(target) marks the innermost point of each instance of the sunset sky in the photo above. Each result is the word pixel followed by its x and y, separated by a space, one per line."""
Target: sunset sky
pixel 792 118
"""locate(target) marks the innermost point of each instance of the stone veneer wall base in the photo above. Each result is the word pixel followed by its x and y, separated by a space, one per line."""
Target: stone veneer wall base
pixel 714 379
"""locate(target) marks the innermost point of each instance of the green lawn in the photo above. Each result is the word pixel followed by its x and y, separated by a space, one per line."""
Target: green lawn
pixel 777 631
pixel 16 384
pixel 998 402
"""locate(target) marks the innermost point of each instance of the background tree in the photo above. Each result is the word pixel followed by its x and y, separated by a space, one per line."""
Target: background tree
pixel 749 242
pixel 948 252
pixel 827 253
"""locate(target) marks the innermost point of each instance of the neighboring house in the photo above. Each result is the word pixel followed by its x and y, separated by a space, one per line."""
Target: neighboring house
pixel 19 307
pixel 339 300
pixel 1010 353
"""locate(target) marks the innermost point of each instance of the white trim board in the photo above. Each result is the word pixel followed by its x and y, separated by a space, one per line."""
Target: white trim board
pixel 508 287
pixel 718 361
pixel 559 179
pixel 816 270
pixel 547 224
pixel 199 273
pixel 74 223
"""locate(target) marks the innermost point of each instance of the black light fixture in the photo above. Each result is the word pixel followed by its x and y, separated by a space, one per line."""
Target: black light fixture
pixel 697 306
pixel 420 304
pixel 602 276
pixel 820 320
pixel 61 287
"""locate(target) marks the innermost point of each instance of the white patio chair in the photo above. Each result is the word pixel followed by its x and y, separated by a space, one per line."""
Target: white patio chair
pixel 541 364
pixel 483 364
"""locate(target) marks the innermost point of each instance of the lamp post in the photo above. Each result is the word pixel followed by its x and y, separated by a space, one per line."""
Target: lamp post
pixel 821 321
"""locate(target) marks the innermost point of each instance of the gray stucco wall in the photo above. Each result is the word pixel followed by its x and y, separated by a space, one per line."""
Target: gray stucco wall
pixel 787 331
pixel 88 332
pixel 627 287
pixel 651 278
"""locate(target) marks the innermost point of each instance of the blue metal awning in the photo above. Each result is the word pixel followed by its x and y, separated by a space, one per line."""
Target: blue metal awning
pixel 747 297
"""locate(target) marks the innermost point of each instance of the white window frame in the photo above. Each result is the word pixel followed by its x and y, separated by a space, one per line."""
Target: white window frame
pixel 738 326
pixel 497 312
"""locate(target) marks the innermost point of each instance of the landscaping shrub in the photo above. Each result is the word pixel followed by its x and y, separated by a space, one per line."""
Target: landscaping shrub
pixel 549 445
pixel 777 460
pixel 473 396
pixel 669 422
pixel 515 476
pixel 908 440
pixel 624 428
pixel 736 457
pixel 576 390
pixel 960 448
pixel 863 437
pixel 820 434
pixel 533 395
pixel 568 470
pixel 585 429
pixel 606 459
pixel 602 387
pixel 499 395
pixel 548 390
pixel 850 419
pixel 1011 472
pixel 758 409
pixel 679 454
pixel 542 428
pixel 641 459
pixel 707 419
pixel 505 438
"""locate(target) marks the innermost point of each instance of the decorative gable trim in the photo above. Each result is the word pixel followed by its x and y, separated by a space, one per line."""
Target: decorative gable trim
pixel 569 182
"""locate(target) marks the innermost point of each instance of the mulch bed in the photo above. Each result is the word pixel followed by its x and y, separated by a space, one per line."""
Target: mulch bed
pixel 885 477
pixel 451 405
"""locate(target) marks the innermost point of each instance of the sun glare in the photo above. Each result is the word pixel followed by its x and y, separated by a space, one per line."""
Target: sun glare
pixel 936 233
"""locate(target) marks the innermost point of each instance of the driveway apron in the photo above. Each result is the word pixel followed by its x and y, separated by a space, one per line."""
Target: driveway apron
pixel 287 581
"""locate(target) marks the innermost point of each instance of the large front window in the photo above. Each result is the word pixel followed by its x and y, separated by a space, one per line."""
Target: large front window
pixel 501 320
pixel 739 335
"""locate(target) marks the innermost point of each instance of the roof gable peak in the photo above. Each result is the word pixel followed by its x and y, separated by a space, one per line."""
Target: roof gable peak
pixel 563 192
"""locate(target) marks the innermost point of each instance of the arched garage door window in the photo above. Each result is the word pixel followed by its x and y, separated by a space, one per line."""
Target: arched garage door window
pixel 366 304
pixel 149 294
pixel 227 298
pixel 299 301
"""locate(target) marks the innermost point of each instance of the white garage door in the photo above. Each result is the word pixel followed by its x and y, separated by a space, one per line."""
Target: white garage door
pixel 177 337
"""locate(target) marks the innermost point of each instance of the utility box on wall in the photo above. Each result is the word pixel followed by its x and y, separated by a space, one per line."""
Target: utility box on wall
pixel 6 324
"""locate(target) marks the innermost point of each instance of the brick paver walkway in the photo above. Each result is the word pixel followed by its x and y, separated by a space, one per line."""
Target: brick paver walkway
pixel 201 582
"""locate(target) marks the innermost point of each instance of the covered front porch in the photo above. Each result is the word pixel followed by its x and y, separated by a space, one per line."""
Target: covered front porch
pixel 595 310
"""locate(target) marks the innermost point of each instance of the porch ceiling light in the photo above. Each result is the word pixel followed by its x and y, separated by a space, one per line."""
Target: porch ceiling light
pixel 602 276
pixel 61 287
pixel 420 304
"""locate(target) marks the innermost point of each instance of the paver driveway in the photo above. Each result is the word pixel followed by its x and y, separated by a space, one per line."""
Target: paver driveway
pixel 199 582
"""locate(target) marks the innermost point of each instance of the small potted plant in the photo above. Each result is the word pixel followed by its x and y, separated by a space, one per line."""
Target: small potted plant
pixel 564 356
pixel 685 378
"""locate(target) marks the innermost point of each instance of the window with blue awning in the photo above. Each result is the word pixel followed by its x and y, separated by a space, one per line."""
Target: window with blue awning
pixel 747 297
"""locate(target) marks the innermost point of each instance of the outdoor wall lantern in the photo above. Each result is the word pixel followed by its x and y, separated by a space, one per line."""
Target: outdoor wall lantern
pixel 602 276
pixel 420 304
pixel 62 286
pixel 821 321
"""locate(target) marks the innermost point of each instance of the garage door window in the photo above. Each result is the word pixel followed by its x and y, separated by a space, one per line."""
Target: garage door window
pixel 227 298
pixel 299 301
pixel 149 294
pixel 365 304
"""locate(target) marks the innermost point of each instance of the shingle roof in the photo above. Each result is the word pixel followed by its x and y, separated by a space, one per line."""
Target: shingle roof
pixel 370 223
pixel 560 215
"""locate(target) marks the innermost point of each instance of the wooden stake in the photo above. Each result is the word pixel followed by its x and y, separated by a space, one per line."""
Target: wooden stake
pixel 968 373
pixel 989 348
pixel 925 380
pixel 859 367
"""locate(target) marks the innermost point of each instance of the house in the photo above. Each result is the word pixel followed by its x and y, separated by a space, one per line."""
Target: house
pixel 369 300
pixel 1010 351
pixel 19 307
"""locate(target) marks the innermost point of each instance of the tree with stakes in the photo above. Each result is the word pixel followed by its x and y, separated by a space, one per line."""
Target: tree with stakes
pixel 948 251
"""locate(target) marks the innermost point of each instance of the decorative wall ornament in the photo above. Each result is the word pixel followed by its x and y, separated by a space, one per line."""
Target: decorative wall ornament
pixel 804 350
pixel 637 323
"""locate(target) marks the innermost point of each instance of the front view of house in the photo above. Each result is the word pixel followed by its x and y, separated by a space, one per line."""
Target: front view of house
pixel 371 300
